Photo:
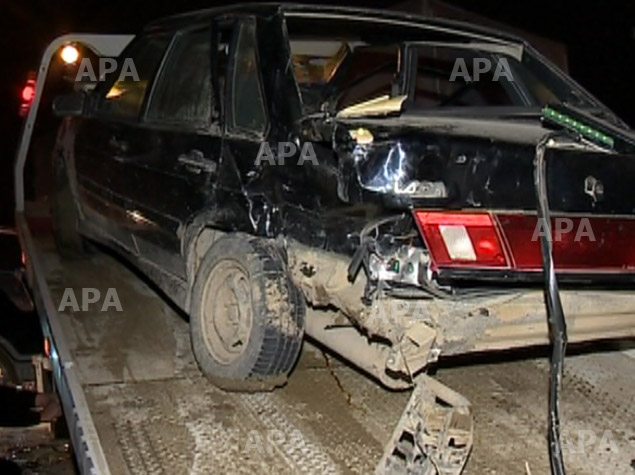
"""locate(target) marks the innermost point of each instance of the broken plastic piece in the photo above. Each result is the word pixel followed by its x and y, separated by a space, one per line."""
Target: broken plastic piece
pixel 434 434
pixel 382 105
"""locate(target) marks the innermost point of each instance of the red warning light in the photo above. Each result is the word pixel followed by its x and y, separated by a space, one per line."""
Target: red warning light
pixel 28 92
pixel 27 96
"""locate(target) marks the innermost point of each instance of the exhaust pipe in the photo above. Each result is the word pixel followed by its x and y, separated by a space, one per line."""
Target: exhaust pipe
pixel 352 345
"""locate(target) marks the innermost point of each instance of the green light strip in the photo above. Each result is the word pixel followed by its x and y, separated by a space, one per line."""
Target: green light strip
pixel 582 129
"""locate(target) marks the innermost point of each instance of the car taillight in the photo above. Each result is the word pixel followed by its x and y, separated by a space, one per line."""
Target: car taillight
pixel 462 239
pixel 579 243
pixel 512 241
pixel 27 95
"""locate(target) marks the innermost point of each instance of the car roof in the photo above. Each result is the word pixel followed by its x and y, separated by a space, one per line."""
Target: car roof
pixel 390 17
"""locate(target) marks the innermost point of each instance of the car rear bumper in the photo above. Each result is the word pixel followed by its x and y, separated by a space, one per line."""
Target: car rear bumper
pixel 519 319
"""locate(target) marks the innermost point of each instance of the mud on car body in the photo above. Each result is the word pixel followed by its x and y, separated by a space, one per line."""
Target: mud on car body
pixel 413 234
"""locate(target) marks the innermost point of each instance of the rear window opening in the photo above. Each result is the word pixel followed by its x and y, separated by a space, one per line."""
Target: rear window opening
pixel 337 68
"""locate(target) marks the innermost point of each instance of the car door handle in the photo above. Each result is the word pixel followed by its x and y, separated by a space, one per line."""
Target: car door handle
pixel 118 144
pixel 119 149
pixel 195 161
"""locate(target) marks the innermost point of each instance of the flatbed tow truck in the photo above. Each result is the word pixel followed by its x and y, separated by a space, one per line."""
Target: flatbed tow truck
pixel 135 401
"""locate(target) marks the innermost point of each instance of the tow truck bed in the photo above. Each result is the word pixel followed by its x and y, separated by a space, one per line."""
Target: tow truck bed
pixel 153 412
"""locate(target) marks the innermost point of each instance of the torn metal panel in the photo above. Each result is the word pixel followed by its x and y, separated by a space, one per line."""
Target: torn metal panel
pixel 407 342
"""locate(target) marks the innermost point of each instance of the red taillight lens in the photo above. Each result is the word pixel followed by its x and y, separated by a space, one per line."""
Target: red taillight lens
pixel 579 244
pixel 462 239
pixel 512 241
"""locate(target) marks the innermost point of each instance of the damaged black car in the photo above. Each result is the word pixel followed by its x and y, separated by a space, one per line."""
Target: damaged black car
pixel 372 180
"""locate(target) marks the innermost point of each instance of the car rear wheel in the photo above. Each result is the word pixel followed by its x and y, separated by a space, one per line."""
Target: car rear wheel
pixel 68 241
pixel 247 317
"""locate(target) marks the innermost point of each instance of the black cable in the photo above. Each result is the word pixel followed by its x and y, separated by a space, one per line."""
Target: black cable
pixel 555 314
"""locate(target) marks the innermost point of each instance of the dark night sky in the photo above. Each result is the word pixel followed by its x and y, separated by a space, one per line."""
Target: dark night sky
pixel 599 36
pixel 600 39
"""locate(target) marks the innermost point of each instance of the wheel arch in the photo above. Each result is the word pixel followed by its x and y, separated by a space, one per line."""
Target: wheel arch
pixel 201 234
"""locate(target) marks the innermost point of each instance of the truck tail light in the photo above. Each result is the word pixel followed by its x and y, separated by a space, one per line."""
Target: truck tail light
pixel 462 239
pixel 47 347
pixel 26 96
pixel 28 91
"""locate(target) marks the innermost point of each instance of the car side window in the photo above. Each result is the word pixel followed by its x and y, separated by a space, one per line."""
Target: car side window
pixel 368 74
pixel 183 90
pixel 125 93
pixel 248 111
pixel 439 82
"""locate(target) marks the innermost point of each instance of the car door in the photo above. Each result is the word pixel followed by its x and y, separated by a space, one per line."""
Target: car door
pixel 111 139
pixel 175 181
pixel 247 128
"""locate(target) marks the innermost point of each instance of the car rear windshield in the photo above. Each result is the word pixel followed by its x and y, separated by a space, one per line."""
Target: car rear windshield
pixel 349 67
